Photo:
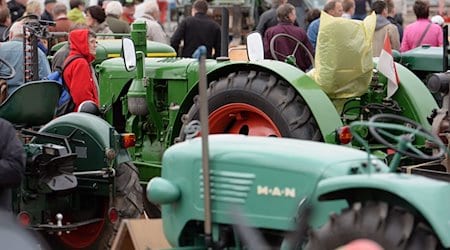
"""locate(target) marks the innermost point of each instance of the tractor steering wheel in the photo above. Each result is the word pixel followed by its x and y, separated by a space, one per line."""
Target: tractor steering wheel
pixel 392 130
pixel 6 70
pixel 275 54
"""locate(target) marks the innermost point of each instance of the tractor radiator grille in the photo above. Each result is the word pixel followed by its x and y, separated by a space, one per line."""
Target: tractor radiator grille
pixel 227 186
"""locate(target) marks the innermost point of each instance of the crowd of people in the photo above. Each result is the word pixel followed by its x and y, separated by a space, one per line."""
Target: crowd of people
pixel 389 23
pixel 84 26
pixel 83 23
pixel 115 17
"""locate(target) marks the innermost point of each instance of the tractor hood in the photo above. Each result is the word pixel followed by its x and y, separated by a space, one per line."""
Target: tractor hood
pixel 424 58
pixel 157 68
pixel 247 172
pixel 111 48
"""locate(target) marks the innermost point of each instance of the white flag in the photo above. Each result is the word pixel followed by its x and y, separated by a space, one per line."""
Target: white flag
pixel 386 66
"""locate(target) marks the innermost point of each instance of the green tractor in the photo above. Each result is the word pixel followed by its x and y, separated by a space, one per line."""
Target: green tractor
pixel 424 61
pixel 287 190
pixel 79 180
pixel 213 190
pixel 155 98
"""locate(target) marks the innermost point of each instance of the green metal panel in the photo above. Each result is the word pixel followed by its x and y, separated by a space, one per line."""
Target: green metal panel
pixel 242 175
pixel 111 48
pixel 413 96
pixel 424 58
pixel 113 76
pixel 92 137
pixel 428 196
pixel 32 104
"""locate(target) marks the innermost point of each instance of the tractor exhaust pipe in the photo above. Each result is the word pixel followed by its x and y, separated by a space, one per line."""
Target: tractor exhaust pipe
pixel 200 54
pixel 224 34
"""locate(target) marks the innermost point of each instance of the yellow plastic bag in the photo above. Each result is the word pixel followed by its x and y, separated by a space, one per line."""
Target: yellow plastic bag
pixel 344 56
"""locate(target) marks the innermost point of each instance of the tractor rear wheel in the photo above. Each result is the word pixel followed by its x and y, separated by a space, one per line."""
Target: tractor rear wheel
pixel 129 204
pixel 256 103
pixel 391 227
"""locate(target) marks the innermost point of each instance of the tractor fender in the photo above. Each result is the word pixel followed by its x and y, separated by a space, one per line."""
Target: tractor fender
pixel 413 96
pixel 428 197
pixel 91 137
pixel 321 106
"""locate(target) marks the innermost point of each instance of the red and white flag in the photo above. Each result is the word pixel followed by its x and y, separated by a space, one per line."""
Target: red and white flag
pixel 386 66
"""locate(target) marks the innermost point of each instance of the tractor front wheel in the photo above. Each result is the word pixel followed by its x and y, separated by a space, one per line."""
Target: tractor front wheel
pixel 391 227
pixel 129 204
pixel 256 103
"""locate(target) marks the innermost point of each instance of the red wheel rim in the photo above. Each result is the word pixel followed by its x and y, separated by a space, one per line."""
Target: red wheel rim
pixel 84 236
pixel 242 118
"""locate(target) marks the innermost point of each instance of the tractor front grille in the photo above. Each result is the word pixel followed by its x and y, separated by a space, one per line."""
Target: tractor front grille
pixel 228 186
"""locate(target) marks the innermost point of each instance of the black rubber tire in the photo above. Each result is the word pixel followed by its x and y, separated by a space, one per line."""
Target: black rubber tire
pixel 272 95
pixel 128 201
pixel 391 227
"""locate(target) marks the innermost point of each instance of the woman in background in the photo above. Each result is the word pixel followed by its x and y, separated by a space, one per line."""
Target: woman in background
pixel 95 19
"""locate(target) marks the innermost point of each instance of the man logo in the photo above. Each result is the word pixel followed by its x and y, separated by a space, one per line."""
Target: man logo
pixel 276 191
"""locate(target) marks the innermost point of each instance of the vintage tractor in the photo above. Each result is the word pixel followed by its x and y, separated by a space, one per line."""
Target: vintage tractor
pixel 79 180
pixel 157 102
pixel 426 60
pixel 213 189
pixel 287 189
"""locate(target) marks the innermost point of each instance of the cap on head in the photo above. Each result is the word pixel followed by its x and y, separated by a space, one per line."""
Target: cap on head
pixel 437 19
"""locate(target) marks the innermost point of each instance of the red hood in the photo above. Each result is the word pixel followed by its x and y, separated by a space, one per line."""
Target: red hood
pixel 79 44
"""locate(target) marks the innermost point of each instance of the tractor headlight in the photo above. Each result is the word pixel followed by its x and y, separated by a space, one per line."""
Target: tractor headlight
pixel 162 191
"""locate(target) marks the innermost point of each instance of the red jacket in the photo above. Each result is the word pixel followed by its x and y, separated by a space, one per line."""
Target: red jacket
pixel 78 74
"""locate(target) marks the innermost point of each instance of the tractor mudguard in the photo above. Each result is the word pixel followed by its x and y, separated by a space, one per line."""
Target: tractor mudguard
pixel 413 96
pixel 426 196
pixel 321 106
pixel 92 138
pixel 32 103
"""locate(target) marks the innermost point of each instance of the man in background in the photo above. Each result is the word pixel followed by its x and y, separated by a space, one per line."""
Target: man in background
pixel 383 27
pixel 48 10
pixel 12 52
pixel 113 12
pixel 393 17
pixel 62 23
pixel 196 30
pixel 285 47
pixel 12 163
pixel 349 8
pixel 361 9
pixel 17 8
pixel 333 8
pixel 155 31
pixel 269 17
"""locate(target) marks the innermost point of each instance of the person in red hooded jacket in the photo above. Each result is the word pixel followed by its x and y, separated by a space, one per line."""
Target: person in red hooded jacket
pixel 79 75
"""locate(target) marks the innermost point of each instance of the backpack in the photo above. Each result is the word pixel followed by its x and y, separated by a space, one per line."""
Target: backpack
pixel 65 103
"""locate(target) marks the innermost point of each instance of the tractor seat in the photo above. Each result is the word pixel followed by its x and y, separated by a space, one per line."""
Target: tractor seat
pixel 32 104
